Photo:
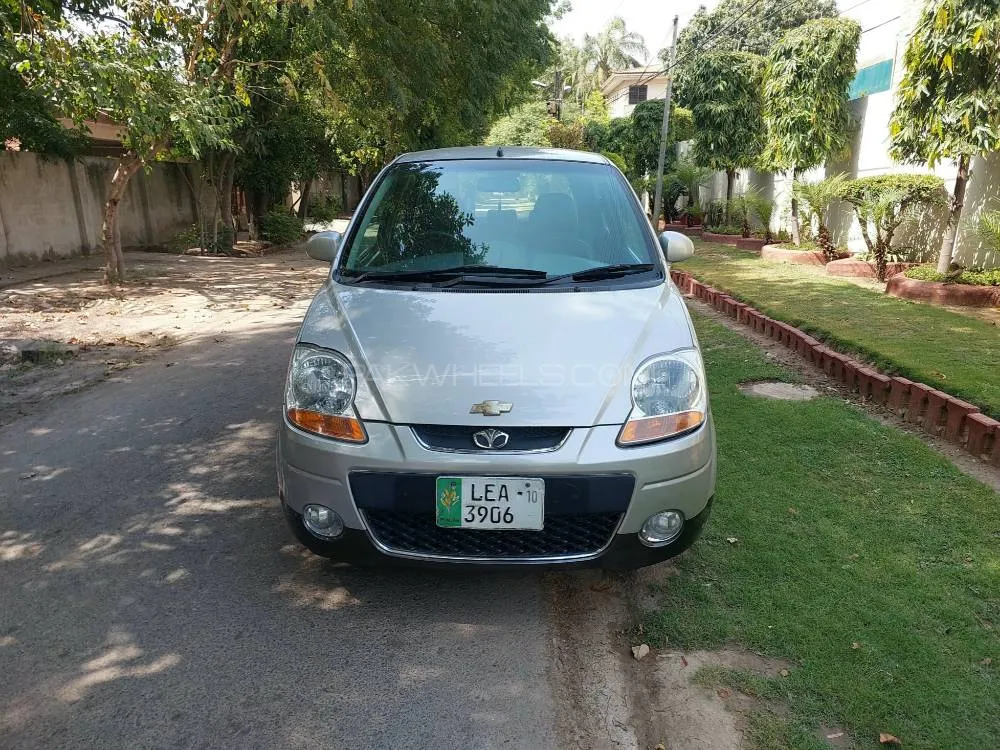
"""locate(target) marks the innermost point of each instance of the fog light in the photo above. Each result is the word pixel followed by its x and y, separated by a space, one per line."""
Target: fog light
pixel 322 521
pixel 661 528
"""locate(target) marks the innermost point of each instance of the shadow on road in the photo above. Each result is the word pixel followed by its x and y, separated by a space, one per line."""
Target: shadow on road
pixel 153 596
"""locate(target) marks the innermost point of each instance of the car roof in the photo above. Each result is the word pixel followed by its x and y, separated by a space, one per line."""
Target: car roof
pixel 502 152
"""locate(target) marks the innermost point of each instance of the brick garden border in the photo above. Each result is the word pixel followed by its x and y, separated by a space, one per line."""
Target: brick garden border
pixel 934 411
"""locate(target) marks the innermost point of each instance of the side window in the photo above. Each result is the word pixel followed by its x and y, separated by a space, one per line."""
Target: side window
pixel 636 94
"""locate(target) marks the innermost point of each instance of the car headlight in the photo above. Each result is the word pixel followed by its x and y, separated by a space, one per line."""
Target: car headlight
pixel 319 394
pixel 668 398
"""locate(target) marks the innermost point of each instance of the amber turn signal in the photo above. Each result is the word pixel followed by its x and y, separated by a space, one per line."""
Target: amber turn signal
pixel 342 428
pixel 650 429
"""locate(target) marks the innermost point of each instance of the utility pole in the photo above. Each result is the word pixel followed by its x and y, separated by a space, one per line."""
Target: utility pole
pixel 658 200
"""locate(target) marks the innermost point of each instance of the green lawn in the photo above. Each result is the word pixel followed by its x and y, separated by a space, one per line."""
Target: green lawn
pixel 849 532
pixel 955 353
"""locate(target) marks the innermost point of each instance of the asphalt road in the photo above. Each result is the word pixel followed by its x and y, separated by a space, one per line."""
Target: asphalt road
pixel 151 595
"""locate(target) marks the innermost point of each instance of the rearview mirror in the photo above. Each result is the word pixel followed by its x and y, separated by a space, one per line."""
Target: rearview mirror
pixel 324 245
pixel 676 246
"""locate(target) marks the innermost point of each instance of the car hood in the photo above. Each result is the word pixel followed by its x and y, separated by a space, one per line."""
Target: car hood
pixel 558 358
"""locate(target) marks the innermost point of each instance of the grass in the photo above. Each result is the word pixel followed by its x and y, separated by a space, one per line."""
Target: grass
pixel 863 557
pixel 947 350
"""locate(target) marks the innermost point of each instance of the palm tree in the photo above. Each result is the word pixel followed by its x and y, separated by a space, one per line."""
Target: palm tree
pixel 818 197
pixel 615 47
pixel 576 70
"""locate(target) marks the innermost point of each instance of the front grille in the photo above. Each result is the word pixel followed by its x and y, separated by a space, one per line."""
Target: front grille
pixel 563 536
pixel 461 437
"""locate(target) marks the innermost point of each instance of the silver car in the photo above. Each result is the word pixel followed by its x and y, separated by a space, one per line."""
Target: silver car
pixel 498 371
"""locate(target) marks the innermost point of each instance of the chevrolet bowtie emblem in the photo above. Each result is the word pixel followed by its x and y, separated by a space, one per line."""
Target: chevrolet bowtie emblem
pixel 491 408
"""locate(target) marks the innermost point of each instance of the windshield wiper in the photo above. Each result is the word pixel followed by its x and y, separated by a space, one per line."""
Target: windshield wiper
pixel 445 274
pixel 614 271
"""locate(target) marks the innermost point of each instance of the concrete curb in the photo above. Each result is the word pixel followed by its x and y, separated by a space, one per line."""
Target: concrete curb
pixel 934 411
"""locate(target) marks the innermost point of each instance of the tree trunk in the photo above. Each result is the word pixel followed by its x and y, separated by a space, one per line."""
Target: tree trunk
pixel 957 202
pixel 730 180
pixel 224 199
pixel 304 199
pixel 881 263
pixel 114 271
pixel 795 211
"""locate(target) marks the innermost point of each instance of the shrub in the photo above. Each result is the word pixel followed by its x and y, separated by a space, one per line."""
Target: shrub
pixel 725 229
pixel 883 202
pixel 976 277
pixel 325 208
pixel 818 197
pixel 672 190
pixel 987 229
pixel 715 214
pixel 758 209
pixel 280 226
pixel 562 135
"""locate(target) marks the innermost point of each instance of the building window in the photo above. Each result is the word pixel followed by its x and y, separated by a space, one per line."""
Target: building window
pixel 636 94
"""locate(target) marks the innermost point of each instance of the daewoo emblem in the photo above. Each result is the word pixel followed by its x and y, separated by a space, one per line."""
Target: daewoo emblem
pixel 492 408
pixel 490 439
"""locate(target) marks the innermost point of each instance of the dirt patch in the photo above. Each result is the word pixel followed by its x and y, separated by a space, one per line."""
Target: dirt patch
pixel 780 391
pixel 826 385
pixel 607 698
pixel 167 300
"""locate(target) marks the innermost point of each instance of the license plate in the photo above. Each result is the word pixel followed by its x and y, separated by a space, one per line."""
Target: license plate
pixel 490 502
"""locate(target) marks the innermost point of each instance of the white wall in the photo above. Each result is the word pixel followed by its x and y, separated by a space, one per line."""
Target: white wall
pixel 618 105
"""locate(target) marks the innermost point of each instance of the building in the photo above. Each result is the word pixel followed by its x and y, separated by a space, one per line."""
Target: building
pixel 624 89
pixel 886 26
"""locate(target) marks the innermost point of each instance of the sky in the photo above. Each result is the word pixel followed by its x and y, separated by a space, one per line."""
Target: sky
pixel 651 18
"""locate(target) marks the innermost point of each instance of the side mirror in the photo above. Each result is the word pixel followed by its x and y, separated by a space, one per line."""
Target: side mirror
pixel 676 246
pixel 324 245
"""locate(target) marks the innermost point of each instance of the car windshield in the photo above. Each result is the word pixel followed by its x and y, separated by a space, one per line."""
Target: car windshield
pixel 515 221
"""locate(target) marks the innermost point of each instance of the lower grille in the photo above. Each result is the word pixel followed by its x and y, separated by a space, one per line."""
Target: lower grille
pixel 563 536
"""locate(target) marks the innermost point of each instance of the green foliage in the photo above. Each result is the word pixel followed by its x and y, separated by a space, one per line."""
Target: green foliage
pixel 805 93
pixel 280 226
pixel 948 101
pixel 528 125
pixel 758 210
pixel 595 108
pixel 643 152
pixel 987 229
pixel 883 202
pixel 738 26
pixel 325 208
pixel 693 176
pixel 614 47
pixel 957 276
pixel 728 126
pixel 673 189
pixel 817 198
pixel 615 159
pixel 565 135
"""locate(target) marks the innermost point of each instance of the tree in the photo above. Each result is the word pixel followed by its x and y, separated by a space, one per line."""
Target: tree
pixel 728 124
pixel 948 102
pixel 26 116
pixel 595 108
pixel 205 76
pixel 738 26
pixel 646 127
pixel 528 125
pixel 614 47
pixel 818 197
pixel 165 79
pixel 884 202
pixel 805 97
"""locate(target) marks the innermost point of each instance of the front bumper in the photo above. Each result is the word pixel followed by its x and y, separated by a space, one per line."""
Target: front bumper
pixel 593 482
